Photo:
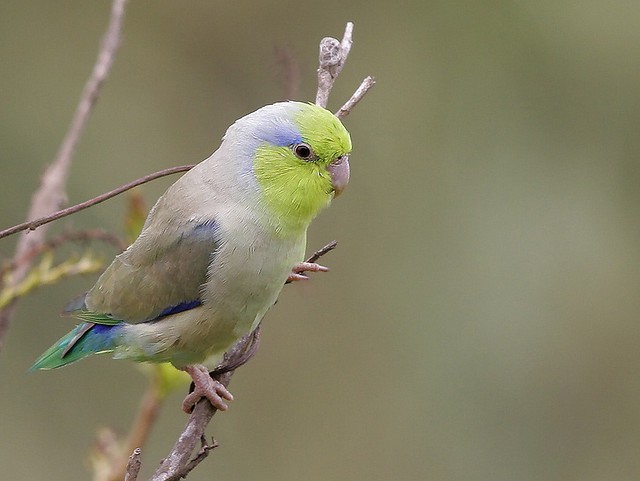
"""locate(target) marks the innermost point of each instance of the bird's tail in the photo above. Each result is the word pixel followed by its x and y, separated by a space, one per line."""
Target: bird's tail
pixel 86 339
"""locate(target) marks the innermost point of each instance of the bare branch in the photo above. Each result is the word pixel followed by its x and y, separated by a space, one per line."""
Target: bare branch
pixel 133 466
pixel 51 193
pixel 33 224
pixel 360 92
pixel 333 55
pixel 177 464
pixel 191 465
pixel 320 252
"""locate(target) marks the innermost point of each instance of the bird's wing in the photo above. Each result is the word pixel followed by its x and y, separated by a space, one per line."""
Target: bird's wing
pixel 158 275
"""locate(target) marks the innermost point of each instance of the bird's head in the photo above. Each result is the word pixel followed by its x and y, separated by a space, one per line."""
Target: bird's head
pixel 300 155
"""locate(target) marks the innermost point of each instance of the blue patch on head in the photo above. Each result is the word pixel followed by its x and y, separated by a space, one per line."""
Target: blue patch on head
pixel 280 133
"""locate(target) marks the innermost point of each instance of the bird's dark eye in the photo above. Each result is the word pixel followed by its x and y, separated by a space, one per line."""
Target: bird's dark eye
pixel 303 151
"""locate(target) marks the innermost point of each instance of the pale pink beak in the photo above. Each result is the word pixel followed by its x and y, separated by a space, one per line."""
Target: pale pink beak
pixel 339 171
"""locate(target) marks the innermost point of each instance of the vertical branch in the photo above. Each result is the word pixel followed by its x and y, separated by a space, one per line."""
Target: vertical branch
pixel 51 193
pixel 333 55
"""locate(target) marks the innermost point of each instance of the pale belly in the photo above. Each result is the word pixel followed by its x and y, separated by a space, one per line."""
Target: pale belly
pixel 244 282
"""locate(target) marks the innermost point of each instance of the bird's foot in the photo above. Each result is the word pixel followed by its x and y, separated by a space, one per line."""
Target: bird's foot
pixel 297 272
pixel 205 387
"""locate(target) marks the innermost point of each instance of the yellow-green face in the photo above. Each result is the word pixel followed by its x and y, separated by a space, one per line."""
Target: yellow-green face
pixel 302 164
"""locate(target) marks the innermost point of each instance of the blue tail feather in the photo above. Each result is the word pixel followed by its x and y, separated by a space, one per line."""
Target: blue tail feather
pixel 85 339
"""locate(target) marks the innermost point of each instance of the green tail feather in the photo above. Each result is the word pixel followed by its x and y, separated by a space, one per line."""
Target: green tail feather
pixel 86 339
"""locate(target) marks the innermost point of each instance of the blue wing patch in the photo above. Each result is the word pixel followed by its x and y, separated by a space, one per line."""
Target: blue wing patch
pixel 207 229
pixel 183 306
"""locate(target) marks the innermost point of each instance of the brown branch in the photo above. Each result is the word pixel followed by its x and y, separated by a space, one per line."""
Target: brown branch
pixel 191 465
pixel 320 252
pixel 51 193
pixel 360 92
pixel 33 224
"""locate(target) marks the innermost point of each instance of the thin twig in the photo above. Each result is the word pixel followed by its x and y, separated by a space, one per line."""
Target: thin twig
pixel 332 57
pixel 320 252
pixel 33 224
pixel 51 193
pixel 360 92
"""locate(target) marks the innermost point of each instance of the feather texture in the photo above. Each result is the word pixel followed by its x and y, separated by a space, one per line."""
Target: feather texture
pixel 216 248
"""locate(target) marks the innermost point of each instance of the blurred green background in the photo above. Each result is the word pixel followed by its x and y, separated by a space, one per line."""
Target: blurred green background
pixel 481 318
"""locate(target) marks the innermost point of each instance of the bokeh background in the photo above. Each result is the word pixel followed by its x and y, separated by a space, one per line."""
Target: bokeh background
pixel 481 318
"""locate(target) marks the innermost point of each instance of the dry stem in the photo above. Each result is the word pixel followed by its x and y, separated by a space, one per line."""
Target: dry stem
pixel 51 193
pixel 360 92
pixel 333 55
pixel 33 224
